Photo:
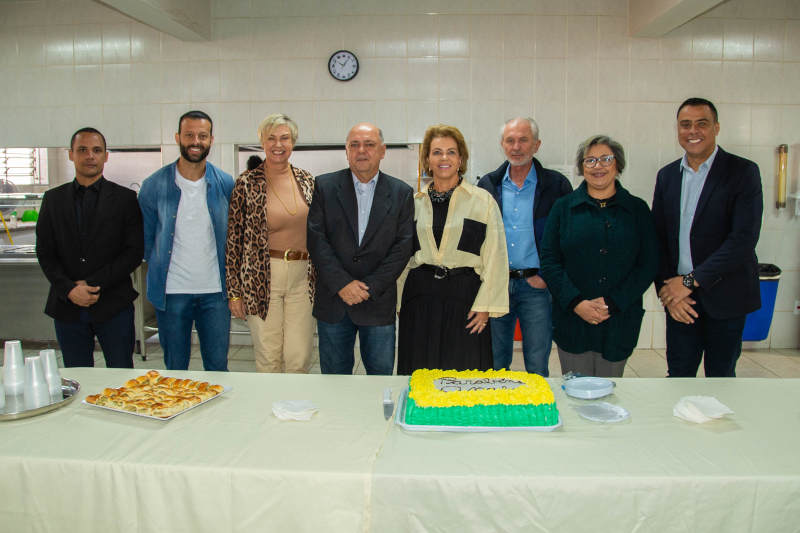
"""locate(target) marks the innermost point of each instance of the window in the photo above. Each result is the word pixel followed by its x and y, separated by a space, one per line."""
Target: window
pixel 20 166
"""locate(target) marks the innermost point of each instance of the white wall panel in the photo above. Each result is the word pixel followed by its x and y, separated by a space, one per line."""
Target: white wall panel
pixel 471 63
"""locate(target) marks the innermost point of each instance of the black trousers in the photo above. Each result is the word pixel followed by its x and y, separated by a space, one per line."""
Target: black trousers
pixel 117 339
pixel 433 324
pixel 719 339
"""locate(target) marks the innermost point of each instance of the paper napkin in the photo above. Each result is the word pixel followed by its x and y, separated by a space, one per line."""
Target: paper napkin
pixel 700 409
pixel 300 410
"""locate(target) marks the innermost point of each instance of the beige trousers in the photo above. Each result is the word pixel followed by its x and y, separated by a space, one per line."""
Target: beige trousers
pixel 284 342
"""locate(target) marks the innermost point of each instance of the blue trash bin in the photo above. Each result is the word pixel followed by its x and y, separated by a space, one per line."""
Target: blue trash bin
pixel 756 327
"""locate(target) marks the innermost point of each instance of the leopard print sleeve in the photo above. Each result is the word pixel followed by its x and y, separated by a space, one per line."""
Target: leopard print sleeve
pixel 234 247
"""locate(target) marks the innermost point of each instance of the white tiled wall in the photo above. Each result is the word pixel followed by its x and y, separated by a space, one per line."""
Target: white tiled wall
pixel 471 63
pixel 127 169
pixel 401 163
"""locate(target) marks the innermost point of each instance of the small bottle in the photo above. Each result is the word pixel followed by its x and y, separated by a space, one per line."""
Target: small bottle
pixel 12 223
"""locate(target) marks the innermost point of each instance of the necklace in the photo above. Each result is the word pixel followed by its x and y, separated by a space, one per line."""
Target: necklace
pixel 437 197
pixel 294 190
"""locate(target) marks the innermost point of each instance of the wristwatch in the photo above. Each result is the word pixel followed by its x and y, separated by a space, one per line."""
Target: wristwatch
pixel 688 281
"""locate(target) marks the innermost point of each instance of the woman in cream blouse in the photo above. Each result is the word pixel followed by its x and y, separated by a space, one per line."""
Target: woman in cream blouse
pixel 457 277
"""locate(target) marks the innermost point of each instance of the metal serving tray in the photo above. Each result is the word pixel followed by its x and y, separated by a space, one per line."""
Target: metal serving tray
pixel 15 405
pixel 84 402
pixel 400 420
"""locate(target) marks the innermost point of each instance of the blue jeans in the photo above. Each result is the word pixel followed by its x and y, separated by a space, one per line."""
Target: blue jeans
pixel 534 309
pixel 117 338
pixel 212 319
pixel 336 343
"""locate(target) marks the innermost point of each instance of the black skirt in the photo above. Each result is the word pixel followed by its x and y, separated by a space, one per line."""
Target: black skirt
pixel 433 324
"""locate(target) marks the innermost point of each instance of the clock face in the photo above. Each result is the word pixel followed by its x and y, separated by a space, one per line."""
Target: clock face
pixel 343 65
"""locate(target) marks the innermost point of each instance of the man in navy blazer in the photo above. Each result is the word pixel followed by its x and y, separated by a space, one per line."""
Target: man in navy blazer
pixel 360 226
pixel 707 209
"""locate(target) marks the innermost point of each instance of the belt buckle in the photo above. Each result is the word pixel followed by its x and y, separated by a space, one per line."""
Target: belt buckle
pixel 437 275
pixel 286 255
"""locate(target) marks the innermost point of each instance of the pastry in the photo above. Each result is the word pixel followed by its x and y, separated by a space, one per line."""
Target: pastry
pixel 155 395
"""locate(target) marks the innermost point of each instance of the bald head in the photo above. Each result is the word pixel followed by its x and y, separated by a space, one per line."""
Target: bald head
pixel 365 149
pixel 366 128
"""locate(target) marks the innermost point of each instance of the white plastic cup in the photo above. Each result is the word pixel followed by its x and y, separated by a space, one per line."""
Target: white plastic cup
pixel 2 394
pixel 51 373
pixel 13 368
pixel 36 391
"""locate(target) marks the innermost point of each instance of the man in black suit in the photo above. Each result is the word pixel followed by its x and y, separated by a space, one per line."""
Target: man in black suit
pixel 707 209
pixel 360 224
pixel 89 239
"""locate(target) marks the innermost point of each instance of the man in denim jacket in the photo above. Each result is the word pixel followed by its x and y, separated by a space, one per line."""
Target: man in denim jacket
pixel 185 210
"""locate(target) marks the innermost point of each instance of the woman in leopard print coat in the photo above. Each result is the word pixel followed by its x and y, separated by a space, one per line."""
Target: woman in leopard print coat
pixel 270 278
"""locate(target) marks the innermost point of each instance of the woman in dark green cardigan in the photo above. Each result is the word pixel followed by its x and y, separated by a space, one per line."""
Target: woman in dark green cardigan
pixel 598 256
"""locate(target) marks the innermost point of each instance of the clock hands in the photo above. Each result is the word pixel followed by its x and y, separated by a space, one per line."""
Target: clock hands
pixel 340 69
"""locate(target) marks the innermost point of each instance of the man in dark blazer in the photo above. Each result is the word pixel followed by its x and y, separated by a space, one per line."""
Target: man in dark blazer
pixel 360 225
pixel 707 209
pixel 89 239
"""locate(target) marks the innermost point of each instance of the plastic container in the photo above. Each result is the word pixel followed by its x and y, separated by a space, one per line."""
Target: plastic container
pixel 588 388
pixel 756 327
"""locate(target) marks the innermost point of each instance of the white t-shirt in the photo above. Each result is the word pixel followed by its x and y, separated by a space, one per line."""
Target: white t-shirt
pixel 194 267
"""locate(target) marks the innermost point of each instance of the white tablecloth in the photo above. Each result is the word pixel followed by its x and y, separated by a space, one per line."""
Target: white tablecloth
pixel 231 466
pixel 227 466
pixel 650 473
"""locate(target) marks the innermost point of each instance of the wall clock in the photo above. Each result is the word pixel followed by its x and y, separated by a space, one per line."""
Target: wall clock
pixel 343 65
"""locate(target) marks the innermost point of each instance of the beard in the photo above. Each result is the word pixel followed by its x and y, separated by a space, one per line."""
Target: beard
pixel 521 163
pixel 194 158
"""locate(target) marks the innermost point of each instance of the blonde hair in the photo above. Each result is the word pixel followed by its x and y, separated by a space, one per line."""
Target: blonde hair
pixel 269 124
pixel 438 131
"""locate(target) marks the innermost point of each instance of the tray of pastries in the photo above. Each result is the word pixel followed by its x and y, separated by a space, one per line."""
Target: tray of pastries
pixel 155 396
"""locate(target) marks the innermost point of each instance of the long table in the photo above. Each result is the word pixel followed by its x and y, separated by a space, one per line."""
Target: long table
pixel 232 466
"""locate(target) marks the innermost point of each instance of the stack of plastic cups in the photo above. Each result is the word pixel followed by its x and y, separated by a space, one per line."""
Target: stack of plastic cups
pixel 13 368
pixel 52 374
pixel 2 394
pixel 37 392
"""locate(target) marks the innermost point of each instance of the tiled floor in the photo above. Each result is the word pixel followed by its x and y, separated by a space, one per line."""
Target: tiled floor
pixel 766 363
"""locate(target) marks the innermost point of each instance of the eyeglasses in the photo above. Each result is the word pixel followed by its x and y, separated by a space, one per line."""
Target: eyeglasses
pixel 605 161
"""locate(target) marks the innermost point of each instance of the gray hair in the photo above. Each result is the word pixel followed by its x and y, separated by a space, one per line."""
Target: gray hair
pixel 380 134
pixel 534 127
pixel 595 140
pixel 269 124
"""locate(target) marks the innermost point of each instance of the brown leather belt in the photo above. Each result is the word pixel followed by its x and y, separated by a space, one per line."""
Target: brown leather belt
pixel 289 255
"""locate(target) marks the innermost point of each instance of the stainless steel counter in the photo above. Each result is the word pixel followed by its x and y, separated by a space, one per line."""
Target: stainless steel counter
pixel 23 292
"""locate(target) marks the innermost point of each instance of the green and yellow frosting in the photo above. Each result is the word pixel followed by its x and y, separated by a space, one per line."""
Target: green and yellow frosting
pixel 530 404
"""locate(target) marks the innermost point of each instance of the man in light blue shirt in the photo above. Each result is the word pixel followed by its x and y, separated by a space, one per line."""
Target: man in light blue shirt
pixel 707 208
pixel 360 237
pixel 691 187
pixel 518 220
pixel 365 192
pixel 526 192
